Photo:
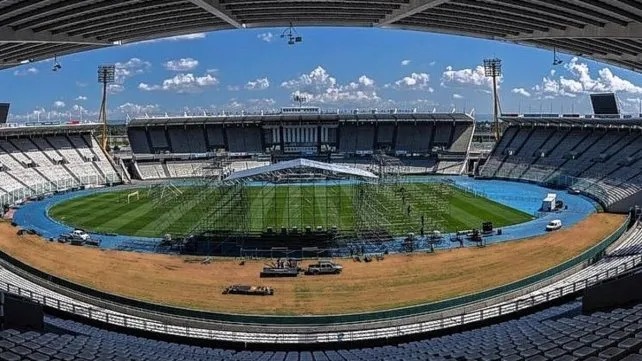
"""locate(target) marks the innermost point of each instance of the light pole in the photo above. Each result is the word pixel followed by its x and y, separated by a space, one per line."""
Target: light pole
pixel 493 69
pixel 106 75
pixel 300 99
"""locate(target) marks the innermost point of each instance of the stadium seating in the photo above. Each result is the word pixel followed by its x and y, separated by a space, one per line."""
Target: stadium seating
pixel 152 170
pixel 462 136
pixel 48 163
pixel 600 162
pixel 556 333
pixel 288 136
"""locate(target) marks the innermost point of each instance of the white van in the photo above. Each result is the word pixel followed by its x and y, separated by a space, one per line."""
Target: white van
pixel 554 225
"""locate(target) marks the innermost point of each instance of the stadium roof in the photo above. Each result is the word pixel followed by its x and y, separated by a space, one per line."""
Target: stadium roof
pixel 606 30
pixel 575 120
pixel 313 118
pixel 279 168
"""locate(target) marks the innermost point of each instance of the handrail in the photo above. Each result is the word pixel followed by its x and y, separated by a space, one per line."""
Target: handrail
pixel 386 332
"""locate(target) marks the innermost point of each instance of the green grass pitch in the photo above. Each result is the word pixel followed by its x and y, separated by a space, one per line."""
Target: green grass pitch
pixel 288 206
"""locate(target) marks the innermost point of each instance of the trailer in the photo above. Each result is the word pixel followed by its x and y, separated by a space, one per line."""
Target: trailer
pixel 248 290
pixel 278 272
pixel 281 268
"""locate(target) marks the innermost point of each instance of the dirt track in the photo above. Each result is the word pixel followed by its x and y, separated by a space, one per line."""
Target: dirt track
pixel 396 281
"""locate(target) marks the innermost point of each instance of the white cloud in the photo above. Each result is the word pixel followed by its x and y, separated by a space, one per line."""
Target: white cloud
pixel 549 88
pixel 126 70
pixel 233 88
pixel 415 81
pixel 130 68
pixel 135 109
pixel 405 62
pixel 458 96
pixel 432 63
pixel 580 81
pixel 193 36
pixel 521 91
pixel 468 76
pixel 115 88
pixel 267 37
pixel 183 64
pixel 59 104
pixel 320 86
pixel 268 101
pixel 258 84
pixel 81 98
pixel 28 71
pixel 182 83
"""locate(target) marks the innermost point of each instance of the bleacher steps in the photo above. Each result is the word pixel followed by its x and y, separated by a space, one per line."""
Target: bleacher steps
pixel 528 137
pixel 74 146
pixel 100 171
pixel 125 173
pixel 166 170
pixel 21 182
pixel 43 175
pixel 12 156
pixel 73 175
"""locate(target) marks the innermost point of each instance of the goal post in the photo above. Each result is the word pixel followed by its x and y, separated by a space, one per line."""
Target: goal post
pixel 133 194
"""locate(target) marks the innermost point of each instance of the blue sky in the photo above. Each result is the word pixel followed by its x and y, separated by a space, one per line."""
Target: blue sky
pixel 333 68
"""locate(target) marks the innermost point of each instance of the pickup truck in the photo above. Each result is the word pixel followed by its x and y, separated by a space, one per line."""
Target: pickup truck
pixel 324 267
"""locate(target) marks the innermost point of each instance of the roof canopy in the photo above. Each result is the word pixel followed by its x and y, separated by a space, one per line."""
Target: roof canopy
pixel 575 120
pixel 312 118
pixel 606 30
pixel 301 163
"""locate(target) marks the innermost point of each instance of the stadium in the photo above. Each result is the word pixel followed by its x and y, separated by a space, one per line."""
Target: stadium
pixel 209 236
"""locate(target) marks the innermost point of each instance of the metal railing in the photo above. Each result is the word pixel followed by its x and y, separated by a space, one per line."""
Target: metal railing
pixel 185 330
pixel 371 325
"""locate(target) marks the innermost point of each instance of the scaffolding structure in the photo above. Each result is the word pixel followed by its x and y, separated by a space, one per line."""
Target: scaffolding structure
pixel 392 208
pixel 296 208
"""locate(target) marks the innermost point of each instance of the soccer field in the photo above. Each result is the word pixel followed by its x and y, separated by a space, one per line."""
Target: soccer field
pixel 285 206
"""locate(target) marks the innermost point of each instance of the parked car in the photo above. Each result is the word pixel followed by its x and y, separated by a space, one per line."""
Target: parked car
pixel 554 225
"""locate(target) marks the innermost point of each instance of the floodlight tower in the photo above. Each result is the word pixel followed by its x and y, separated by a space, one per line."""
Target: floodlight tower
pixel 493 69
pixel 106 75
pixel 300 99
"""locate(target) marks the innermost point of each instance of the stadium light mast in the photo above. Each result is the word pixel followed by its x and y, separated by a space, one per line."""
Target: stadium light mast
pixel 106 75
pixel 300 99
pixel 493 69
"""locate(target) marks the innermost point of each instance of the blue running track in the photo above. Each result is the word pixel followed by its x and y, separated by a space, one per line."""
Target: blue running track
pixel 523 196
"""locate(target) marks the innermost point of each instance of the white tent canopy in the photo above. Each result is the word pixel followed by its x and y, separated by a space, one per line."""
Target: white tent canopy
pixel 301 163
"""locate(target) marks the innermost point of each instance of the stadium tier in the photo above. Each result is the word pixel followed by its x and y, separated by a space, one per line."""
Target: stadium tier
pixel 560 332
pixel 599 157
pixel 176 147
pixel 36 160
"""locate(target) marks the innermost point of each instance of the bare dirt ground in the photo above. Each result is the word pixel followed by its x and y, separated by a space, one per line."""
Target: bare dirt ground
pixel 399 280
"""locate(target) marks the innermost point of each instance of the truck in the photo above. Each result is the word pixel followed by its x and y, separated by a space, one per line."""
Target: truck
pixel 80 234
pixel 323 267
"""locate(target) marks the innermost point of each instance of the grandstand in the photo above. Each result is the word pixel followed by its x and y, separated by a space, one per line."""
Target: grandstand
pixel 36 160
pixel 174 147
pixel 598 156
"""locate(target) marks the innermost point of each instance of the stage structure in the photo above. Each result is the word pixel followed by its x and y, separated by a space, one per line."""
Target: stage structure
pixel 297 206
